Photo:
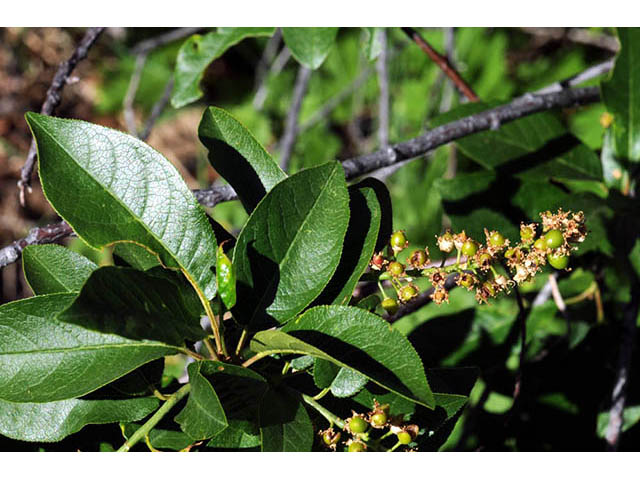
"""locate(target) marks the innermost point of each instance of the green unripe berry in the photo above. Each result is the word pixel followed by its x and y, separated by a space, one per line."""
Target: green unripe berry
pixel 540 244
pixel 330 439
pixel 553 239
pixel 378 419
pixel 398 240
pixel 418 258
pixel 496 239
pixel 510 253
pixel 358 425
pixel 484 258
pixel 490 289
pixel 396 269
pixel 559 262
pixel 407 292
pixel 469 248
pixel 404 438
pixel 390 305
pixel 357 447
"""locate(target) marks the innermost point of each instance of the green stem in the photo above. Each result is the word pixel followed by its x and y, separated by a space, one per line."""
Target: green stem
pixel 212 350
pixel 255 358
pixel 153 421
pixel 322 393
pixel 324 412
pixel 243 338
pixel 384 294
pixel 395 447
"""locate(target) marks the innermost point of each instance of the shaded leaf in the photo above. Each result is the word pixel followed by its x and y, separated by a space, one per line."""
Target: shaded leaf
pixel 620 95
pixel 238 157
pixel 310 46
pixel 353 338
pixel 136 256
pixel 55 269
pixel 43 359
pixel 285 425
pixel 203 416
pixel 291 245
pixel 53 421
pixel 111 187
pixel 197 52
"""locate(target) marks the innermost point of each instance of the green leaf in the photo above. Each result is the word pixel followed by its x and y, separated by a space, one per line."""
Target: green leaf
pixel 55 269
pixel 238 157
pixel 203 416
pixel 353 338
pixel 630 417
pixel 359 244
pixel 53 421
pixel 310 46
pixel 197 52
pixel 225 278
pixel 290 246
pixel 136 256
pixel 537 146
pixel 373 42
pixel 620 95
pixel 43 359
pixel 285 425
pixel 156 305
pixel 324 372
pixel 240 391
pixel 161 438
pixel 347 383
pixel 111 187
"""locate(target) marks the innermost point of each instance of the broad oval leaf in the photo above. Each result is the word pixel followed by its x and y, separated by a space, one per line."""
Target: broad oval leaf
pixel 55 269
pixel 238 157
pixel 53 421
pixel 111 187
pixel 310 46
pixel 620 95
pixel 291 245
pixel 225 278
pixel 198 52
pixel 353 338
pixel 43 359
pixel 203 416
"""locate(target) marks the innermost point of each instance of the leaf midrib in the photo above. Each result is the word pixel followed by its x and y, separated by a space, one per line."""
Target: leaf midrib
pixel 89 348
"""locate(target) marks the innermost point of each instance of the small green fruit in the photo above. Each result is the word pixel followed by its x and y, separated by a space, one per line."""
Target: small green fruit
pixel 553 239
pixel 407 292
pixel 469 248
pixel 496 239
pixel 357 447
pixel 396 269
pixel 378 419
pixel 398 241
pixel 559 262
pixel 358 425
pixel 540 244
pixel 404 438
pixel 390 305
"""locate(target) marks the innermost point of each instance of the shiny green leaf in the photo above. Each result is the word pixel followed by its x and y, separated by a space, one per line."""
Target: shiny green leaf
pixel 43 359
pixel 55 269
pixel 111 187
pixel 353 338
pixel 225 278
pixel 291 245
pixel 53 421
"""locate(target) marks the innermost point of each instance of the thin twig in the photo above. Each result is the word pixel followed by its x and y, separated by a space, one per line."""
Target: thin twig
pixel 53 98
pixel 157 110
pixel 127 103
pixel 267 58
pixel 37 236
pixel 576 35
pixel 442 62
pixel 588 74
pixel 358 166
pixel 291 127
pixel 145 46
pixel 276 67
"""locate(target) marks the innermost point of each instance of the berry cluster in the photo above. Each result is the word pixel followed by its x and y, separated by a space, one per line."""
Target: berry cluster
pixel 489 268
pixel 362 426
